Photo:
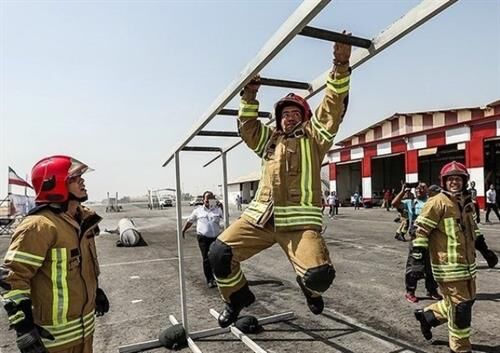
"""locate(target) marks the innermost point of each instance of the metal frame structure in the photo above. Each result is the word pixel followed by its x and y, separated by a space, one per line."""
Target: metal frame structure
pixel 296 24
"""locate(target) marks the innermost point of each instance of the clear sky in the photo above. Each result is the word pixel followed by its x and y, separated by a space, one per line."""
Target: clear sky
pixel 118 84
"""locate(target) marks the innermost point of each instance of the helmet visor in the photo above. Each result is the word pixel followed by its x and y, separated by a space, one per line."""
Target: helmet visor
pixel 78 168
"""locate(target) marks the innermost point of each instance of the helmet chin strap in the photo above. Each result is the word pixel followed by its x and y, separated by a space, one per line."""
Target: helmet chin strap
pixel 72 197
pixel 292 129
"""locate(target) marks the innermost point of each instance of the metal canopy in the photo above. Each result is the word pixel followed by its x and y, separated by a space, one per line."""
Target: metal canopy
pixel 413 19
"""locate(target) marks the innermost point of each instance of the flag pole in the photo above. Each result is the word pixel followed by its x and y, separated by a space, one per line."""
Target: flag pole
pixel 9 191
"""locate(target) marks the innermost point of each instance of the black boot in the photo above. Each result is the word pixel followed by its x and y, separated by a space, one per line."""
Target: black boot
pixel 315 304
pixel 425 327
pixel 238 300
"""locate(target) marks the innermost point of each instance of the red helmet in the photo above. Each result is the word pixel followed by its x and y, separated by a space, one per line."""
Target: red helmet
pixel 291 99
pixel 454 168
pixel 50 175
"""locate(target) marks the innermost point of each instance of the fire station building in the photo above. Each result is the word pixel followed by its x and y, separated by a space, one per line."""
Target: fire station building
pixel 413 147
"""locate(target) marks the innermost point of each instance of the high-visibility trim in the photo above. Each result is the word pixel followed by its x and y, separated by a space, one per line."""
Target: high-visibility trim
pixel 17 295
pixel 230 281
pixel 24 257
pixel 426 221
pixel 255 209
pixel 17 317
pixel 454 271
pixel 248 110
pixel 477 232
pixel 285 222
pixel 60 296
pixel 70 332
pixel 459 333
pixel 338 86
pixel 421 242
pixel 306 172
pixel 321 129
pixel 449 225
pixel 264 137
pixel 443 307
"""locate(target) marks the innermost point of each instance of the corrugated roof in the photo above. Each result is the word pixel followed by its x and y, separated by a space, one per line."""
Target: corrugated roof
pixel 254 176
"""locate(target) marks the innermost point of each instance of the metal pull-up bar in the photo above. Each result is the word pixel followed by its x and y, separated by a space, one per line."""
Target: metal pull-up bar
pixel 234 112
pixel 272 82
pixel 331 36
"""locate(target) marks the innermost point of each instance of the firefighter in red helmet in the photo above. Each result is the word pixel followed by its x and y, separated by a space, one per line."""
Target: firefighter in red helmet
pixel 447 230
pixel 287 206
pixel 48 280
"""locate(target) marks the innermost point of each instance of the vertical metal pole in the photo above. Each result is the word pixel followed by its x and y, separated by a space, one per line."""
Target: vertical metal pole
pixel 180 252
pixel 224 190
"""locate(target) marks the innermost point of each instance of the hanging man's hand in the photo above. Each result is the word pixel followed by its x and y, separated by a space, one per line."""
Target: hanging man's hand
pixel 249 92
pixel 342 52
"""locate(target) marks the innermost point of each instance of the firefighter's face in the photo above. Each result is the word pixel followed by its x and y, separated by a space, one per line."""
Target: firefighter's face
pixel 291 116
pixel 454 183
pixel 76 186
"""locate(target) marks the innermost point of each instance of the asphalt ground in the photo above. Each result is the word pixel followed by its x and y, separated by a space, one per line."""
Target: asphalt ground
pixel 365 309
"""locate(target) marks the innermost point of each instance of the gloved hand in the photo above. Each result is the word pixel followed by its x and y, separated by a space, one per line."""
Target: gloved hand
pixel 31 342
pixel 101 303
pixel 28 334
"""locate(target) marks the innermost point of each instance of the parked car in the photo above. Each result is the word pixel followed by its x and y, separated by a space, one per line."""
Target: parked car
pixel 167 203
pixel 197 201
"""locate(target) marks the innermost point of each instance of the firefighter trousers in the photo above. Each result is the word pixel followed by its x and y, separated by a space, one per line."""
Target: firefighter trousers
pixel 84 347
pixel 306 250
pixel 456 310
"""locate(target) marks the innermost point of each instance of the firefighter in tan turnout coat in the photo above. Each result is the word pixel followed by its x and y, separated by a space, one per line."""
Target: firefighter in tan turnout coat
pixel 48 281
pixel 287 205
pixel 447 229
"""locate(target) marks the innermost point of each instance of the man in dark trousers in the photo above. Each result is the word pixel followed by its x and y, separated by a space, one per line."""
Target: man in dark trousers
pixel 207 218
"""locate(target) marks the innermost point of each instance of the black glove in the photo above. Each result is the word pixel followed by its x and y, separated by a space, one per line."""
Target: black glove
pixel 28 334
pixel 101 303
pixel 31 342
pixel 416 262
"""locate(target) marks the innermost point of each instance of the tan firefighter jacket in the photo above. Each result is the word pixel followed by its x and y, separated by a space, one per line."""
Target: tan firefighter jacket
pixel 449 232
pixel 52 260
pixel 290 185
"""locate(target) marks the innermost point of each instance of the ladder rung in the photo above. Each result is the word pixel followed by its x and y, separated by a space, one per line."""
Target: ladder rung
pixel 331 36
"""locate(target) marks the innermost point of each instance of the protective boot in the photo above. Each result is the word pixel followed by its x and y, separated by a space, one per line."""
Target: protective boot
pixel 425 327
pixel 238 300
pixel 315 304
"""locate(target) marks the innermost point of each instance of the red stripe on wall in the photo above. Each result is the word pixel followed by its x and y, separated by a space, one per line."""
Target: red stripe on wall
pixel 411 161
pixel 427 121
pixel 395 126
pixel 450 118
pixel 409 123
pixel 345 155
pixel 475 148
pixel 362 138
pixel 436 139
pixel 398 146
pixel 348 143
pixel 333 171
pixel 377 132
pixel 477 114
pixel 366 162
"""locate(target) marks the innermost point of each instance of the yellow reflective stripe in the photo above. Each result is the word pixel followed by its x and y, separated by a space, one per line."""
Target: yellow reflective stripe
pixel 248 110
pixel 324 133
pixel 459 333
pixel 426 221
pixel 17 317
pixel 264 136
pixel 282 211
pixel 283 222
pixel 230 281
pixel 421 242
pixel 59 286
pixel 17 295
pixel 338 86
pixel 24 257
pixel 449 224
pixel 443 307
pixel 70 332
pixel 306 172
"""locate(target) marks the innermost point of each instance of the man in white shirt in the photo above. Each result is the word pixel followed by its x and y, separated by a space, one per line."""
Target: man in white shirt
pixel 491 203
pixel 332 202
pixel 207 218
